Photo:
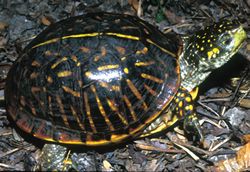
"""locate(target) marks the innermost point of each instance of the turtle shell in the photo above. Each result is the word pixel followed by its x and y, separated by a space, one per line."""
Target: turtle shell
pixel 94 79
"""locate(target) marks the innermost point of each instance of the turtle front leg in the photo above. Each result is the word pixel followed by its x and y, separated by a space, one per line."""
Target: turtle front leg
pixel 185 108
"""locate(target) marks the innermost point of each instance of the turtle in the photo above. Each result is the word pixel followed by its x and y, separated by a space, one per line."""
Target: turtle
pixel 101 78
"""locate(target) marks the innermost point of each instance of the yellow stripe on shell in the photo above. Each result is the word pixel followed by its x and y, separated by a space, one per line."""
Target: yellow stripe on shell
pixel 129 105
pixel 102 111
pixel 150 90
pixel 115 109
pixel 88 112
pixel 65 73
pixel 136 93
pixel 123 36
pixel 163 49
pixel 70 91
pixel 58 62
pixel 61 109
pixel 117 138
pixel 144 63
pixel 153 78
pixel 77 118
pixel 106 67
pixel 101 33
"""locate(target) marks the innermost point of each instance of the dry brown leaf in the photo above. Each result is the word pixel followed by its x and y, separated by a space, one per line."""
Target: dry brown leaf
pixel 107 166
pixel 248 47
pixel 239 163
pixel 3 25
pixel 245 103
pixel 46 20
pixel 172 17
pixel 246 138
pixel 134 4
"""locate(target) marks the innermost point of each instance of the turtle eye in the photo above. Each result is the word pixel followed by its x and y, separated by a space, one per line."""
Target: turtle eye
pixel 227 41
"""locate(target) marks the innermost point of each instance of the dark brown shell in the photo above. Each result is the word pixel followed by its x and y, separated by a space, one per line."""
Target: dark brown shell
pixel 95 79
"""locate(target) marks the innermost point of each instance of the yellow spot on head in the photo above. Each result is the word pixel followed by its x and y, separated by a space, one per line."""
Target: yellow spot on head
pixel 210 54
pixel 216 50
pixel 211 45
pixel 182 95
pixel 180 104
pixel 181 113
pixel 202 48
pixel 188 99
pixel 126 70
pixel 190 107
pixel 177 100
pixel 208 40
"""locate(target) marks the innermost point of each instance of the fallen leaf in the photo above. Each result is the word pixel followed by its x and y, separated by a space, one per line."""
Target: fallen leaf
pixel 239 163
pixel 134 4
pixel 47 20
pixel 3 25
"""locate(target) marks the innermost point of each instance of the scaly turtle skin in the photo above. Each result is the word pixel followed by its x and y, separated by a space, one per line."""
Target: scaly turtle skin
pixel 104 78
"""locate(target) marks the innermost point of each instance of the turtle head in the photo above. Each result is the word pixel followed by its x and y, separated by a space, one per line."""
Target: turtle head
pixel 209 49
pixel 216 44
